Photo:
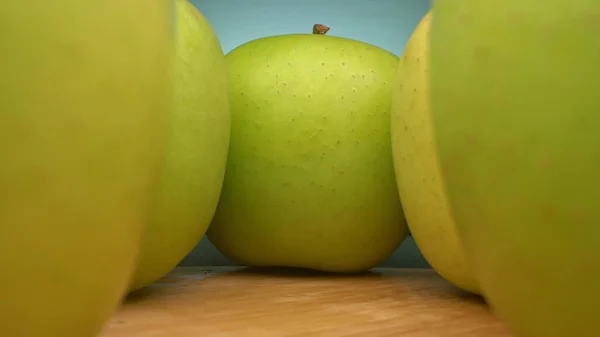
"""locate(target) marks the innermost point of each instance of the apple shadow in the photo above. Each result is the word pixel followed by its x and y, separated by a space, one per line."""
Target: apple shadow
pixel 282 271
pixel 161 288
pixel 142 294
pixel 164 286
pixel 433 284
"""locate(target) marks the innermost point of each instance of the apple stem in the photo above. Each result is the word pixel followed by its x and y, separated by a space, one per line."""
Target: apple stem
pixel 320 29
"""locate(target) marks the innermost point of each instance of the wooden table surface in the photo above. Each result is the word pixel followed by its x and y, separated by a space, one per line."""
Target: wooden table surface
pixel 249 302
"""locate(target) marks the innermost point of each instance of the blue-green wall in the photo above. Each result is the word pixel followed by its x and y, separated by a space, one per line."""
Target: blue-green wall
pixel 384 23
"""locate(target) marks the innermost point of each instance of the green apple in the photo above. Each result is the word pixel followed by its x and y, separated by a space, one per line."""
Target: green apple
pixel 421 189
pixel 515 87
pixel 310 179
pixel 197 149
pixel 85 97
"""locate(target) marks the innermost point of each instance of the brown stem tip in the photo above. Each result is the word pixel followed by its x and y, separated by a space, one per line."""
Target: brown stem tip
pixel 320 29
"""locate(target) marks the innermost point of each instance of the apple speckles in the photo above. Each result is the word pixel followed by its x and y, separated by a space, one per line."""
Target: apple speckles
pixel 317 125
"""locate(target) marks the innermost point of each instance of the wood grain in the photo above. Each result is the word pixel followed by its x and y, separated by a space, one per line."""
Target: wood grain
pixel 250 302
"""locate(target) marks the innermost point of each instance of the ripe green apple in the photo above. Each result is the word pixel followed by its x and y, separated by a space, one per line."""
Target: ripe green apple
pixel 197 149
pixel 421 189
pixel 515 104
pixel 82 134
pixel 310 179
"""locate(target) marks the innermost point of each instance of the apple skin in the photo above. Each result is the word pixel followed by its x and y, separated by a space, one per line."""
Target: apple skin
pixel 196 152
pixel 310 180
pixel 418 175
pixel 82 131
pixel 515 108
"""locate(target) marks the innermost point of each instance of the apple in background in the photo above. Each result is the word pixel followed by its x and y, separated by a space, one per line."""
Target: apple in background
pixel 310 179
pixel 421 189
pixel 82 131
pixel 197 149
pixel 515 87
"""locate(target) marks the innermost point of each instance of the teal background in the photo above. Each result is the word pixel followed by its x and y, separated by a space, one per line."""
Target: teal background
pixel 385 23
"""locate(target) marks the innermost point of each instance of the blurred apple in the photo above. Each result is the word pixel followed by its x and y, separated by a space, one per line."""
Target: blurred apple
pixel 85 99
pixel 515 87
pixel 421 189
pixel 197 149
